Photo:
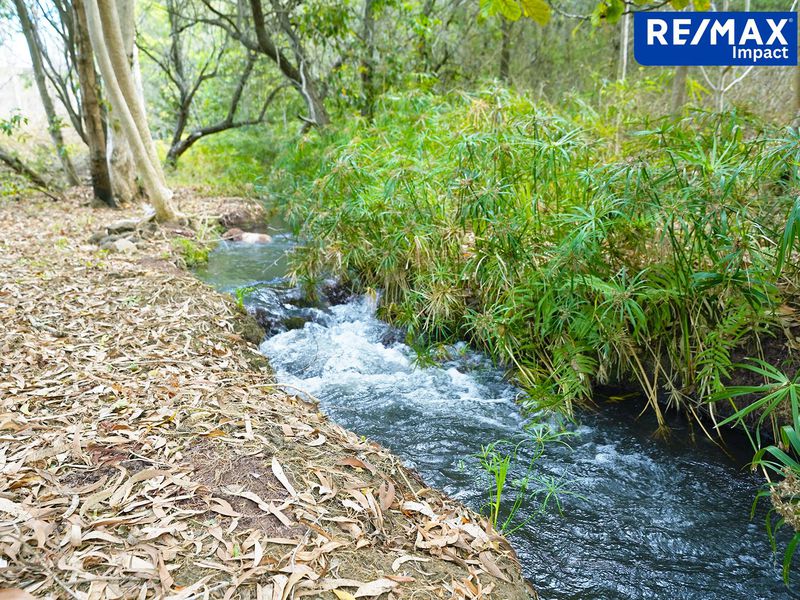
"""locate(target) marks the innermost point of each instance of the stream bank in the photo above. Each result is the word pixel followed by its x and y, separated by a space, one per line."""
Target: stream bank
pixel 146 452
pixel 657 519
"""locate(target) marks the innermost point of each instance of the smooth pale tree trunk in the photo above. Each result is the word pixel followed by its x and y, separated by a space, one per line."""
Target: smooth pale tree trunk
pixel 679 90
pixel 625 28
pixel 54 125
pixel 92 116
pixel 120 155
pixel 120 162
pixel 127 103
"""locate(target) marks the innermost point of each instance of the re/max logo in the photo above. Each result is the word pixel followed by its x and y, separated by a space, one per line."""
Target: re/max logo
pixel 715 38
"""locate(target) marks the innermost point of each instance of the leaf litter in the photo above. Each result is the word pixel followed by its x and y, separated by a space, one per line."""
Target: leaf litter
pixel 146 451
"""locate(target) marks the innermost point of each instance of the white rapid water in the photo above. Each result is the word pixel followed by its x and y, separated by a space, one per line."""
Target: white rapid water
pixel 377 389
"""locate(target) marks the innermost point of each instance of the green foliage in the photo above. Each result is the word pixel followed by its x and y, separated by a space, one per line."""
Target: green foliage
pixel 513 10
pixel 610 11
pixel 12 184
pixel 230 163
pixel 791 235
pixel 194 253
pixel 9 125
pixel 783 460
pixel 776 394
pixel 195 250
pixel 243 292
pixel 529 491
pixel 568 249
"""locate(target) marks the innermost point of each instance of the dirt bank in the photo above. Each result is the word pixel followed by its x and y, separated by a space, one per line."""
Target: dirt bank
pixel 145 451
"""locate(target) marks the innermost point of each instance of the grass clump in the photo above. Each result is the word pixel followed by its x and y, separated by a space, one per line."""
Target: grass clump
pixel 194 253
pixel 195 250
pixel 515 488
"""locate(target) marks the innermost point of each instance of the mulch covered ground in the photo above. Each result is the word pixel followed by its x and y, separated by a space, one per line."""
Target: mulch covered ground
pixel 146 452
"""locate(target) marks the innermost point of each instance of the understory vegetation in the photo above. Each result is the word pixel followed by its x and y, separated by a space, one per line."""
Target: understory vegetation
pixel 575 246
pixel 530 492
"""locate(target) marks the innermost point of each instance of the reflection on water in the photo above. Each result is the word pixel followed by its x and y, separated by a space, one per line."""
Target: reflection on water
pixel 657 519
pixel 233 264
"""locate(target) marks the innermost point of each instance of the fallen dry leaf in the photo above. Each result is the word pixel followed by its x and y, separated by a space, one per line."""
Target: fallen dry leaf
pixel 398 562
pixel 277 470
pixel 375 588
pixel 15 594
pixel 386 495
pixel 147 452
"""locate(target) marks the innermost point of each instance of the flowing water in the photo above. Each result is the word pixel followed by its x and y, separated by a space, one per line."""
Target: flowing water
pixel 650 519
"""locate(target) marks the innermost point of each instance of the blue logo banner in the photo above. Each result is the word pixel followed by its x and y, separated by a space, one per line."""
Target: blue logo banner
pixel 669 39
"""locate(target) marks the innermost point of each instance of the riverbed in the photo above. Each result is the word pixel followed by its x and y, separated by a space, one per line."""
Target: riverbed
pixel 645 518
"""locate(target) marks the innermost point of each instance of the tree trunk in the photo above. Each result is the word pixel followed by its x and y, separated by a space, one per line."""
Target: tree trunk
pixel 120 162
pixel 120 155
pixel 175 149
pixel 625 28
pixel 90 100
pixel 185 95
pixel 679 90
pixel 505 50
pixel 106 36
pixel 423 47
pixel 368 62
pixel 180 144
pixel 678 100
pixel 35 48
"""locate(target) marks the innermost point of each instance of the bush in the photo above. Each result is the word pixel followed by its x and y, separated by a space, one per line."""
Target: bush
pixel 573 249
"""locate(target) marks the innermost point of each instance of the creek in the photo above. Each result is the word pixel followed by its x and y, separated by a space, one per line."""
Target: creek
pixel 650 519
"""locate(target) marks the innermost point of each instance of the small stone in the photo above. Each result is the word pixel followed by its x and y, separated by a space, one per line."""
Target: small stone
pixel 122 225
pixel 123 246
pixel 98 237
pixel 295 322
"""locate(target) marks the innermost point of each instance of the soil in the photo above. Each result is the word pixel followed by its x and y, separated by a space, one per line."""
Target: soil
pixel 147 452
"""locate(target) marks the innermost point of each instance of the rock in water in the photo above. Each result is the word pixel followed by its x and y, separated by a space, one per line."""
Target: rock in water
pixel 256 238
pixel 237 235
pixel 233 235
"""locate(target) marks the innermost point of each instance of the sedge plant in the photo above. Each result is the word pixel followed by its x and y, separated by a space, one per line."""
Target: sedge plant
pixel 515 487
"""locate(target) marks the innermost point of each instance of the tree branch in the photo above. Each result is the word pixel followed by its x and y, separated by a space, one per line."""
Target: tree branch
pixel 177 149
pixel 19 167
